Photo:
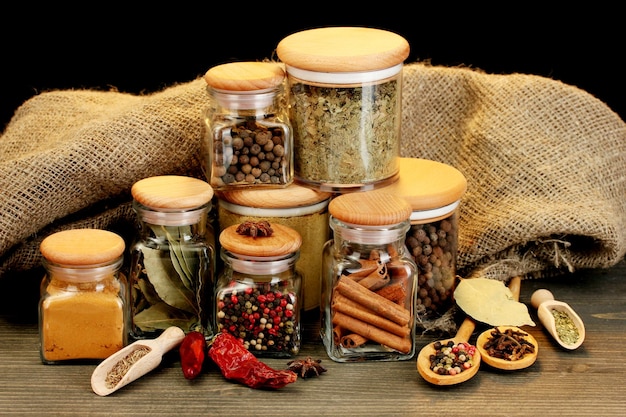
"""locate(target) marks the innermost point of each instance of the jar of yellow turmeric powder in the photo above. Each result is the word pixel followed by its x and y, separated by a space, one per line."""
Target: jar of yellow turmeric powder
pixel 83 308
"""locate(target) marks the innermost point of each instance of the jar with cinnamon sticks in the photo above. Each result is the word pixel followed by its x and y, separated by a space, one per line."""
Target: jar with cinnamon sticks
pixel 368 281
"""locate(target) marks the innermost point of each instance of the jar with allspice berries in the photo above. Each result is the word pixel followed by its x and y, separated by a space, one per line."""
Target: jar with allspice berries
pixel 248 137
pixel 434 191
pixel 258 294
pixel 368 280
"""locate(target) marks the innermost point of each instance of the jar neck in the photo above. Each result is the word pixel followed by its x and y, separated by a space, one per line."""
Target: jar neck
pixel 259 265
pixel 247 103
pixel 83 273
pixel 172 225
pixel 369 237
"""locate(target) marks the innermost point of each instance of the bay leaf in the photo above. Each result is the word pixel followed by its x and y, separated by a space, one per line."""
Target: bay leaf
pixel 490 301
pixel 161 316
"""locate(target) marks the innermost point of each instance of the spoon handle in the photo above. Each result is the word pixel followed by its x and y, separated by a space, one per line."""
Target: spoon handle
pixel 466 329
pixel 515 285
pixel 168 340
pixel 540 296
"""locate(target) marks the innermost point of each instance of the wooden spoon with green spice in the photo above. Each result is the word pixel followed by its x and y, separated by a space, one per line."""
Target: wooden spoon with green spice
pixel 513 335
pixel 559 319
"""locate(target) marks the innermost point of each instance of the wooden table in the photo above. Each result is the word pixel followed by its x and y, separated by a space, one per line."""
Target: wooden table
pixel 585 382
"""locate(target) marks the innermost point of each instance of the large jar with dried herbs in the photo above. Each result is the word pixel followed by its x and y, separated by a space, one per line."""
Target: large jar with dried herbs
pixel 301 208
pixel 258 294
pixel 345 87
pixel 83 312
pixel 172 268
pixel 369 281
pixel 248 140
pixel 434 191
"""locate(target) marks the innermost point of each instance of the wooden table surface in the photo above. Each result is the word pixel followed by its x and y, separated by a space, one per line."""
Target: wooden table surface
pixel 588 381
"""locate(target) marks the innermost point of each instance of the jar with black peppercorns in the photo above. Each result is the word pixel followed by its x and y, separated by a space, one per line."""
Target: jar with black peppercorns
pixel 434 191
pixel 258 293
pixel 248 141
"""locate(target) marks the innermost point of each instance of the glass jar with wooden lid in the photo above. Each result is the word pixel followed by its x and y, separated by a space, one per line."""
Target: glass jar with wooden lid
pixel 83 312
pixel 258 293
pixel 248 140
pixel 369 281
pixel 301 208
pixel 345 86
pixel 434 191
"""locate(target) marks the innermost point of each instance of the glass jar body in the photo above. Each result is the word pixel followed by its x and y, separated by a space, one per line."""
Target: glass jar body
pixel 172 272
pixel 346 135
pixel 83 312
pixel 258 301
pixel 433 245
pixel 368 294
pixel 248 141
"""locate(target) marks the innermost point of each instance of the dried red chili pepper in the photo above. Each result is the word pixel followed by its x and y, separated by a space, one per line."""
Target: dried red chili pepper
pixel 192 353
pixel 239 364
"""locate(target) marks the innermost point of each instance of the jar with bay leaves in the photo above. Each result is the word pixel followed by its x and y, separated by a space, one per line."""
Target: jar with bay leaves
pixel 434 191
pixel 248 140
pixel 296 206
pixel 172 269
pixel 345 87
pixel 368 283
pixel 258 293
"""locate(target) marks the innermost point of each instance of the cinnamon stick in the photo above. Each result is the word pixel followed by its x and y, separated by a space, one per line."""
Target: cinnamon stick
pixel 345 305
pixel 367 267
pixel 376 280
pixel 401 344
pixel 352 340
pixel 378 304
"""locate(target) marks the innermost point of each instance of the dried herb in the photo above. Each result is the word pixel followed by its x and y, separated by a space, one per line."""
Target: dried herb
pixel 509 344
pixel 565 327
pixel 117 372
pixel 345 135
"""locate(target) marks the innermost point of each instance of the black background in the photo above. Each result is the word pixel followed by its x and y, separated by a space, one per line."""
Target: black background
pixel 145 49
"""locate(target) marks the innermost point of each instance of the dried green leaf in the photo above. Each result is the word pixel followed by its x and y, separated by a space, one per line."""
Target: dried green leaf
pixel 161 316
pixel 490 301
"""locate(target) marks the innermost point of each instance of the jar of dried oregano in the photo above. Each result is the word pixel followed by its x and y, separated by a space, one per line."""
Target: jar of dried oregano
pixel 258 294
pixel 83 303
pixel 172 263
pixel 368 281
pixel 296 206
pixel 434 191
pixel 345 87
pixel 248 139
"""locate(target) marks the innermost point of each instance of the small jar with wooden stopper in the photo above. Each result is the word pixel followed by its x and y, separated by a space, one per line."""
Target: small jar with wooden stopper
pixel 434 191
pixel 258 293
pixel 248 140
pixel 368 284
pixel 345 87
pixel 172 264
pixel 301 208
pixel 83 311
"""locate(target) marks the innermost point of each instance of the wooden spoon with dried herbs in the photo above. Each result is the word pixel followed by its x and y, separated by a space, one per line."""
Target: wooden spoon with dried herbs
pixel 508 347
pixel 133 361
pixel 559 319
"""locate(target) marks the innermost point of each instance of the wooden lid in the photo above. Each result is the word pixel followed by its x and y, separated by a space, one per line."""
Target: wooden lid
pixel 293 195
pixel 370 208
pixel 82 247
pixel 283 241
pixel 172 192
pixel 343 49
pixel 426 184
pixel 245 76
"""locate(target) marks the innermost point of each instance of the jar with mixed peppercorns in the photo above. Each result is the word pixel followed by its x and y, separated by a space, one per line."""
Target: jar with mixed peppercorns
pixel 258 293
pixel 248 141
pixel 368 282
pixel 434 191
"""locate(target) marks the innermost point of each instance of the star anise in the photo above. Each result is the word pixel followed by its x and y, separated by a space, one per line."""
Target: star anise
pixel 306 367
pixel 254 229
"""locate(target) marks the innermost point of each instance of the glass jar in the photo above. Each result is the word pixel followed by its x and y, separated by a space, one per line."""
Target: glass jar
pixel 248 139
pixel 434 191
pixel 345 86
pixel 258 292
pixel 368 287
pixel 301 208
pixel 83 312
pixel 172 269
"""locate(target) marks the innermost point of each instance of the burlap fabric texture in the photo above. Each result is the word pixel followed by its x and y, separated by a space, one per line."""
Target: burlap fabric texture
pixel 545 163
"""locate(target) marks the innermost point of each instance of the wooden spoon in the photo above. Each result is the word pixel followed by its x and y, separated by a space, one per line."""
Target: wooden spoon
pixel 544 302
pixel 155 348
pixel 423 359
pixel 499 363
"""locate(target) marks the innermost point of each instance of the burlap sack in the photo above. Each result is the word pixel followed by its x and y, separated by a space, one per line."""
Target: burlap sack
pixel 545 163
